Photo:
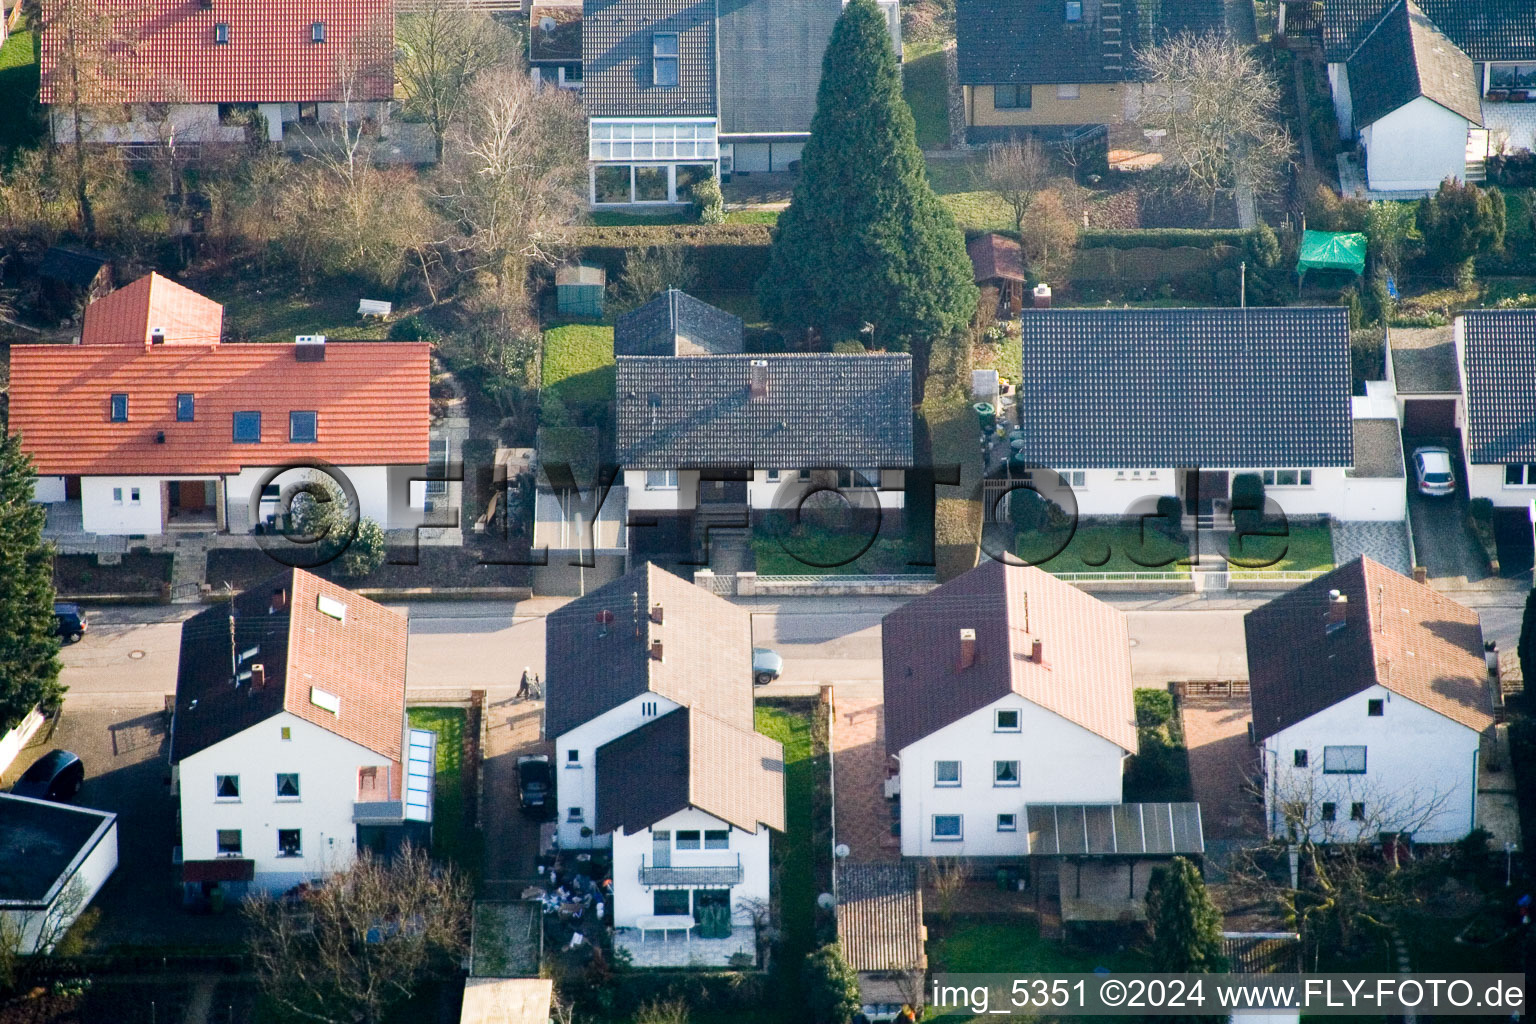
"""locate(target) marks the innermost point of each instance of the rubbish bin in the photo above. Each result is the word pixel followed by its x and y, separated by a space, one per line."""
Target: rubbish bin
pixel 986 413
pixel 1002 880
pixel 216 900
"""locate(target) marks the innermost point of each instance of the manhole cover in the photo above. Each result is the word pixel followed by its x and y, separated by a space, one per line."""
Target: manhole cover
pixel 135 655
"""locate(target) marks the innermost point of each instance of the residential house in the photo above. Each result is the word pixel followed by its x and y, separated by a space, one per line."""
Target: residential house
pixel 204 72
pixel 880 929
pixel 54 859
pixel 1498 410
pixel 1008 707
pixel 1431 87
pixel 649 704
pixel 153 423
pixel 1043 66
pixel 290 753
pixel 1370 696
pixel 554 42
pixel 1126 405
pixel 676 92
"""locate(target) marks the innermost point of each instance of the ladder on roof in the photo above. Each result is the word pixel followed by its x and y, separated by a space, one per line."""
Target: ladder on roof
pixel 1110 35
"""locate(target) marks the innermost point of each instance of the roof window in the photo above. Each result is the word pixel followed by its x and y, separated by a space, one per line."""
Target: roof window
pixel 317 32
pixel 1074 10
pixel 664 59
pixel 303 426
pixel 331 607
pixel 221 34
pixel 248 427
pixel 120 408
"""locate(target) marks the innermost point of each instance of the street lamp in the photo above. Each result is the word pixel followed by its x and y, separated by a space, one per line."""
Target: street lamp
pixel 1509 860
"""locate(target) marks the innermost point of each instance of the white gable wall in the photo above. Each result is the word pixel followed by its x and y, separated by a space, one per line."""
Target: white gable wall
pixel 1415 147
pixel 632 900
pixel 576 780
pixel 1059 762
pixel 1416 760
pixel 327 766
pixel 1343 110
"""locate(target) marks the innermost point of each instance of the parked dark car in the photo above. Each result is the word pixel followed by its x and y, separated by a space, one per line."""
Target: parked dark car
pixel 535 784
pixel 68 621
pixel 56 775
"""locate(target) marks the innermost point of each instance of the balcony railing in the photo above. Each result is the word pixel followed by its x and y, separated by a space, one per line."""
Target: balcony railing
pixel 693 874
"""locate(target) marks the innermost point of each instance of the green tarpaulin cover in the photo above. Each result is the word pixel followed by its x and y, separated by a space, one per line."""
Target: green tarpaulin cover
pixel 1331 250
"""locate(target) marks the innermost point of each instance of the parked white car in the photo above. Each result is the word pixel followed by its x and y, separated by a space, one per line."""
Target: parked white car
pixel 1435 474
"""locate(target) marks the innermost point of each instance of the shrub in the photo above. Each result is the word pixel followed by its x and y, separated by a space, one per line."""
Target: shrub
pixel 708 202
pixel 1162 238
pixel 831 988
pixel 1460 222
pixel 1154 708
pixel 649 272
pixel 410 328
pixel 1170 514
pixel 1247 502
pixel 1328 211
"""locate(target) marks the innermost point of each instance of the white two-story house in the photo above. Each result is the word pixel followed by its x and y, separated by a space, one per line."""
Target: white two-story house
pixel 649 706
pixel 153 423
pixel 1496 353
pixel 289 747
pixel 1370 696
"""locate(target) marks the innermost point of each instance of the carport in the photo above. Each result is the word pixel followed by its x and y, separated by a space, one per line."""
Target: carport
pixel 1113 849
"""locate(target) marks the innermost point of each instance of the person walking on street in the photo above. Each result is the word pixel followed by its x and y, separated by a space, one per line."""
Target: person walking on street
pixel 522 690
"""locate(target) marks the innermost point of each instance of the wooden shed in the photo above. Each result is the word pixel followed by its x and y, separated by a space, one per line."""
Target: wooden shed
pixel 579 289
pixel 999 263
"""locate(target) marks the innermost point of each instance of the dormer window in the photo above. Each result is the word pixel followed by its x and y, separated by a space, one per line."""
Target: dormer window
pixel 248 427
pixel 1074 10
pixel 317 32
pixel 221 34
pixel 664 59
pixel 120 408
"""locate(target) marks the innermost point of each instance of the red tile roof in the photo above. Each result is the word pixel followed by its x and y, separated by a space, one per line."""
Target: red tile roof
pixel 128 315
pixel 371 398
pixel 270 58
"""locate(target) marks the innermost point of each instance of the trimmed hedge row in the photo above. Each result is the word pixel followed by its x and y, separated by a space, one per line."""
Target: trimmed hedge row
pixel 1161 238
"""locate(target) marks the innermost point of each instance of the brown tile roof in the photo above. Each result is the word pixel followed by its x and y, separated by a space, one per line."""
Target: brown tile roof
pixel 996 256
pixel 1085 676
pixel 171 56
pixel 598 651
pixel 360 661
pixel 687 758
pixel 128 315
pixel 372 398
pixel 880 916
pixel 1399 634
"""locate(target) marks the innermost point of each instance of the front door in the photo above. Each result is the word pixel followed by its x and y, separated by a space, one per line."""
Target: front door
pixel 1201 489
pixel 661 849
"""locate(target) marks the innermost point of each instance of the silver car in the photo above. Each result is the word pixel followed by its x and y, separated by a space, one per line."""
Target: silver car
pixel 1435 474
pixel 766 666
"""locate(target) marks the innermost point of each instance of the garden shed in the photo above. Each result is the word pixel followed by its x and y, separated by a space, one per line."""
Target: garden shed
pixel 579 289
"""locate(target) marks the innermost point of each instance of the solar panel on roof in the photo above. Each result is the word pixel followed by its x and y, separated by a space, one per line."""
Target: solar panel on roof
pixel 420 769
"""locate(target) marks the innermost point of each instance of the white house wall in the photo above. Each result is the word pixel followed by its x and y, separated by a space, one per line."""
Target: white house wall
pixel 37 926
pixel 576 780
pixel 1484 481
pixel 47 489
pixel 188 122
pixel 632 900
pixel 662 499
pixel 1116 492
pixel 1416 760
pixel 372 484
pixel 100 514
pixel 1415 147
pixel 1059 762
pixel 1373 499
pixel 762 493
pixel 1343 109
pixel 327 766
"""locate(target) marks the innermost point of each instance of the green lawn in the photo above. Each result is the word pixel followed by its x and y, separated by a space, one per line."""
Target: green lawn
pixel 19 79
pixel 256 310
pixel 808 552
pixel 793 853
pixel 1304 547
pixel 1006 356
pixel 954 181
pixel 453 838
pixel 578 363
pixel 926 92
pixel 1104 547
pixel 1014 946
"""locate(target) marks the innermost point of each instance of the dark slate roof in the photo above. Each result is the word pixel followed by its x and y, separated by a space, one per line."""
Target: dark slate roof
pixel 1398 634
pixel 73 265
pixel 598 651
pixel 880 916
pixel 819 410
pixel 1484 29
pixel 675 323
pixel 1378 450
pixel 1500 365
pixel 1424 361
pixel 770 62
pixel 1031 42
pixel 1406 57
pixel 616 58
pixel 1126 388
pixel 686 758
pixel 42 845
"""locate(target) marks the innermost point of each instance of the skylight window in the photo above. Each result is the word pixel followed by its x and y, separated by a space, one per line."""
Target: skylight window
pixel 302 426
pixel 317 32
pixel 325 700
pixel 1074 10
pixel 664 59
pixel 331 607
pixel 221 34
pixel 248 427
pixel 186 408
pixel 120 408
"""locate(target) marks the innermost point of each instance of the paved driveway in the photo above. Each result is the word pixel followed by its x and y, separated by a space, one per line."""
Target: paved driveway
pixel 1222 766
pixel 1443 543
pixel 511 840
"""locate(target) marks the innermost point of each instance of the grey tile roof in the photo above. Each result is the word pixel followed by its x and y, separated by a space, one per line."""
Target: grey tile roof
pixel 880 916
pixel 819 410
pixel 675 323
pixel 1484 29
pixel 1500 365
pixel 1378 450
pixel 1424 361
pixel 686 759
pixel 770 62
pixel 1404 57
pixel 1126 388
pixel 616 50
pixel 597 651
pixel 1031 42
pixel 72 265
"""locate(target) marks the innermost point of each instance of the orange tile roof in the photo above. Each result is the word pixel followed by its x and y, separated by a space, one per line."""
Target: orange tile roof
pixel 372 399
pixel 270 58
pixel 128 315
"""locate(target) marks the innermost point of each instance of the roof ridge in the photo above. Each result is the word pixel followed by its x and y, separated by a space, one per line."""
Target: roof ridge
pixel 1380 21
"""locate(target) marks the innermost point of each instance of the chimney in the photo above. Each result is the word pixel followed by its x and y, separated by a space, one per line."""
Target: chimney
pixel 967 648
pixel 157 335
pixel 656 613
pixel 757 378
pixel 1042 296
pixel 656 651
pixel 279 601
pixel 1338 611
pixel 309 348
pixel 1037 652
pixel 258 676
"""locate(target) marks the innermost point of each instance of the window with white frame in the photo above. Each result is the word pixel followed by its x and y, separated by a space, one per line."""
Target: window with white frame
pixel 717 839
pixel 1007 822
pixel 946 773
pixel 1073 477
pixel 226 787
pixel 1520 474
pixel 1005 773
pixel 117 495
pixel 664 59
pixel 287 785
pixel 661 479
pixel 1343 760
pixel 652 140
pixel 133 495
pixel 1287 477
pixel 948 828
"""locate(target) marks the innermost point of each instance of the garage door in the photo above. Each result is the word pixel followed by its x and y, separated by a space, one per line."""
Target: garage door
pixel 751 157
pixel 1429 416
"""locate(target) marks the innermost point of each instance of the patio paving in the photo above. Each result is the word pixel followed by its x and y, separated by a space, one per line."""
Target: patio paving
pixel 1221 763
pixel 858 762
pixel 676 951
pixel 1387 543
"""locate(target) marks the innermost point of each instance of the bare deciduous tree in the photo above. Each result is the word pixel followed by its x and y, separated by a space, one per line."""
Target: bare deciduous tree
pixel 1047 235
pixel 344 953
pixel 1016 172
pixel 946 877
pixel 60 930
pixel 1219 107
pixel 442 46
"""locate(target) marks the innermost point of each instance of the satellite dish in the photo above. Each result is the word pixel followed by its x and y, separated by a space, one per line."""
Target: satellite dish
pixel 824 901
pixel 547 25
pixel 841 850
